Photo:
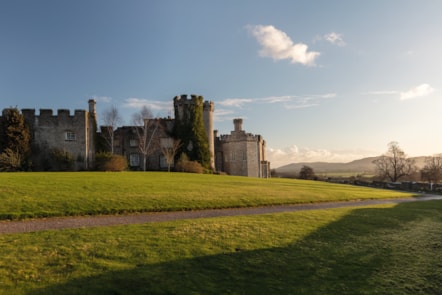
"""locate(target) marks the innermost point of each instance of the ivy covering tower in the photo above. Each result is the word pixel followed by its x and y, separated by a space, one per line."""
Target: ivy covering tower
pixel 190 129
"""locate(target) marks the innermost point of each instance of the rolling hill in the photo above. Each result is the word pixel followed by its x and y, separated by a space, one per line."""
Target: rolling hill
pixel 361 166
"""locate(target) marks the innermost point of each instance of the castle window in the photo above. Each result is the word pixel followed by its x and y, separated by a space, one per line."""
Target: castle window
pixel 70 136
pixel 133 143
pixel 244 156
pixel 134 160
pixel 232 156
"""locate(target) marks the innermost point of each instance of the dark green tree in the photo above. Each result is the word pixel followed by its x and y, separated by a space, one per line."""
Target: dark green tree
pixel 189 128
pixel 15 139
pixel 307 172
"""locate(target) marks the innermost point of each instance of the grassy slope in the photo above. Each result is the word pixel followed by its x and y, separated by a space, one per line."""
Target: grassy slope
pixel 372 250
pixel 29 195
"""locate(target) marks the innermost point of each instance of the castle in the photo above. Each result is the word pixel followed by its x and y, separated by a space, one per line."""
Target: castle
pixel 238 153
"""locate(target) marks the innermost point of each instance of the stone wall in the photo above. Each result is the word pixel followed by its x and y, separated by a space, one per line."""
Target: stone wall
pixel 72 134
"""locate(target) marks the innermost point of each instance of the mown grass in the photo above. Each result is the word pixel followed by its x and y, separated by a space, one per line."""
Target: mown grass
pixel 33 195
pixel 389 249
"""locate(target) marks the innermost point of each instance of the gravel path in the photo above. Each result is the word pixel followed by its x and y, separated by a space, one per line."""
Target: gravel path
pixel 33 225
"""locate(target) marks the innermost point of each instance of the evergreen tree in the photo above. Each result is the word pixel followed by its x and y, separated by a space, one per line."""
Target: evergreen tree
pixel 15 139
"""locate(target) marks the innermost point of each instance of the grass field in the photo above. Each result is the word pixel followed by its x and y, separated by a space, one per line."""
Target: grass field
pixel 383 249
pixel 34 195
pixel 389 249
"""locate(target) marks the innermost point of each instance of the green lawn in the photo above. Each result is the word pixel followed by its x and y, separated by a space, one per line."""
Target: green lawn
pixel 31 195
pixel 389 249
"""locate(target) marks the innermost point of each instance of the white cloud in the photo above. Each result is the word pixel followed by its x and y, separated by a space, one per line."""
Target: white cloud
pixel 335 39
pixel 277 45
pixel 235 102
pixel 293 154
pixel 154 105
pixel 220 115
pixel 276 99
pixel 418 91
pixel 327 95
pixel 289 101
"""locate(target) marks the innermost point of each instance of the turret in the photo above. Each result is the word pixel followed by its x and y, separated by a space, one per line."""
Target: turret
pixel 237 124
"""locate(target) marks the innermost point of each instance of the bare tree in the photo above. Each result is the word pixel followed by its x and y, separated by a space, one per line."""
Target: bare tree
pixel 147 130
pixel 394 164
pixel 432 171
pixel 111 120
pixel 169 148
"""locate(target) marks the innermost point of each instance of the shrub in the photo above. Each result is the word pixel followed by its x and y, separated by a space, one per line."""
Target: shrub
pixel 110 162
pixel 63 160
pixel 10 160
pixel 184 165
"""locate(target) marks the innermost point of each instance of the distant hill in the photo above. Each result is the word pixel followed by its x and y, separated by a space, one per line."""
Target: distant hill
pixel 361 166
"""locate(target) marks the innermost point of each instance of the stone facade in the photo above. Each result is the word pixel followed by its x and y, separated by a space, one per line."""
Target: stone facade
pixel 238 153
pixel 154 132
pixel 72 134
pixel 241 153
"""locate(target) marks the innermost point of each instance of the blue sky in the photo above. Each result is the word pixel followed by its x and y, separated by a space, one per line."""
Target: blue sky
pixel 319 80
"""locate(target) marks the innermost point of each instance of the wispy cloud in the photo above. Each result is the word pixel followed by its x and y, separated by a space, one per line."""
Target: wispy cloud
pixel 335 38
pixel 154 105
pixel 288 101
pixel 235 102
pixel 418 91
pixel 414 92
pixel 279 46
pixel 220 115
pixel 277 99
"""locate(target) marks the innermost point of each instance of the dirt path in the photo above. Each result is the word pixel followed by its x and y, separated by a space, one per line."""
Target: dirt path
pixel 34 225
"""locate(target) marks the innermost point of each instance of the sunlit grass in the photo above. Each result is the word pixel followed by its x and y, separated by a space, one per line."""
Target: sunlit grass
pixel 30 195
pixel 389 249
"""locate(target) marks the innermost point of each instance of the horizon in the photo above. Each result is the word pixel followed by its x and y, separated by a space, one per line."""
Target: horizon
pixel 323 81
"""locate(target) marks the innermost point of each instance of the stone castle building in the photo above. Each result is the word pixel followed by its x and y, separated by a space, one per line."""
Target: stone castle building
pixel 238 153
pixel 60 134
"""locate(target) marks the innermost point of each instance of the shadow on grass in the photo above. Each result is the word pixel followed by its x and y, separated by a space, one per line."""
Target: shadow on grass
pixel 387 251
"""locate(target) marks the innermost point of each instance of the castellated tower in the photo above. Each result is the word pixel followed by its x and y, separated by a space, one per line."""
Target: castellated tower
pixel 241 153
pixel 182 106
